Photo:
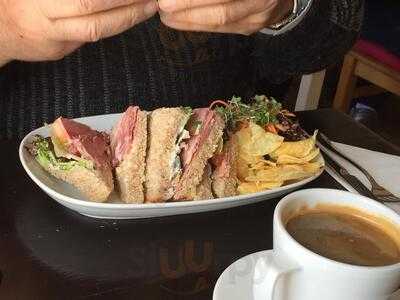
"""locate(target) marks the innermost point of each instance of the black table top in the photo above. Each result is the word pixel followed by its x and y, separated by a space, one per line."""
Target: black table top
pixel 50 252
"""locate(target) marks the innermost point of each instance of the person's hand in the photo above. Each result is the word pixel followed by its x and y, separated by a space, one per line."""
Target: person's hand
pixel 36 30
pixel 227 16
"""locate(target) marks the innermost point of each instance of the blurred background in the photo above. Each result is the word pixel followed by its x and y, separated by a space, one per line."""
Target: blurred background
pixel 366 84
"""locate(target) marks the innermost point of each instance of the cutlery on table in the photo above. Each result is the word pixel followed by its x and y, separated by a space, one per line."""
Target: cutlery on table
pixel 350 179
pixel 378 192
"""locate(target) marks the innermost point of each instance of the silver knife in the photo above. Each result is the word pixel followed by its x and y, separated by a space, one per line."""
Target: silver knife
pixel 351 179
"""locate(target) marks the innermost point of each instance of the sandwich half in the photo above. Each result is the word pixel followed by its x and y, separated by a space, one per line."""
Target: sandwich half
pixel 166 130
pixel 224 177
pixel 205 129
pixel 78 155
pixel 128 147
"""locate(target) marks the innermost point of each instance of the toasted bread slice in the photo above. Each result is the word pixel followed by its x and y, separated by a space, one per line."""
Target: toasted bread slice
pixel 193 174
pixel 165 125
pixel 96 185
pixel 129 173
pixel 203 190
pixel 224 178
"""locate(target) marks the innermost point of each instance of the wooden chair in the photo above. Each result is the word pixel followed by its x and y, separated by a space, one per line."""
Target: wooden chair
pixel 372 63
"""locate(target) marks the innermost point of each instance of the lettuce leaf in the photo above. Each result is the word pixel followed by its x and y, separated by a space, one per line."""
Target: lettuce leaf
pixel 43 150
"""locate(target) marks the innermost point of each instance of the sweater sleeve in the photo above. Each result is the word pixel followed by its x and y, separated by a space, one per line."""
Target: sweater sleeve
pixel 323 37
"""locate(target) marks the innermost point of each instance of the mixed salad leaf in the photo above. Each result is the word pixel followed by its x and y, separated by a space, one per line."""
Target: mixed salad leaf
pixel 43 150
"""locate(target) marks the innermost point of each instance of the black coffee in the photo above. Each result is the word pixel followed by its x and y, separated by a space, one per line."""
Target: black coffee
pixel 344 237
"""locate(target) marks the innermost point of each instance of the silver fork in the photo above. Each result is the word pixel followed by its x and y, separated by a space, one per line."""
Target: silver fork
pixel 379 191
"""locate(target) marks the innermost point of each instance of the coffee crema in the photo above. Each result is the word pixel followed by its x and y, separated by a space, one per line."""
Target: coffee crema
pixel 346 235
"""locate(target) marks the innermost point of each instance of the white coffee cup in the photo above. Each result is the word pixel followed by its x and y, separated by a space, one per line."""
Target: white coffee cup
pixel 295 273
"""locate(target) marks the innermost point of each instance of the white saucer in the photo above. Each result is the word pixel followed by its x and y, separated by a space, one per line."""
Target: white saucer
pixel 236 282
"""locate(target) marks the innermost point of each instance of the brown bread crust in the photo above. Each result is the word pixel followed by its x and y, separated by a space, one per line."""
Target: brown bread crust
pixel 203 190
pixel 95 185
pixel 163 129
pixel 130 172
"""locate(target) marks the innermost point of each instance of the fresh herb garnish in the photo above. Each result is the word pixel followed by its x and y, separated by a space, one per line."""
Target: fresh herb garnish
pixel 261 111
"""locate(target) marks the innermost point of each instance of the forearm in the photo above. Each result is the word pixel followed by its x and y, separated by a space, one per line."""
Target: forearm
pixel 321 39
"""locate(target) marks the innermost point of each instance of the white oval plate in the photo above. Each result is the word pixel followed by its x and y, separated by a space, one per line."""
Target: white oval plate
pixel 68 196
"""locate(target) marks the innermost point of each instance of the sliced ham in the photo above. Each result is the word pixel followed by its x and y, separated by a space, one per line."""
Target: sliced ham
pixel 206 117
pixel 67 131
pixel 94 146
pixel 225 162
pixel 222 164
pixel 123 134
pixel 82 141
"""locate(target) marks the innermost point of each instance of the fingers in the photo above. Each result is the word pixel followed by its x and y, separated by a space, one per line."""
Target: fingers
pixel 237 27
pixel 60 50
pixel 262 18
pixel 55 9
pixel 235 16
pixel 103 24
pixel 217 15
pixel 178 5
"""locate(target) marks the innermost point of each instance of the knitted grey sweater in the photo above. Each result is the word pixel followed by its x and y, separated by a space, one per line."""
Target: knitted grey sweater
pixel 152 65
